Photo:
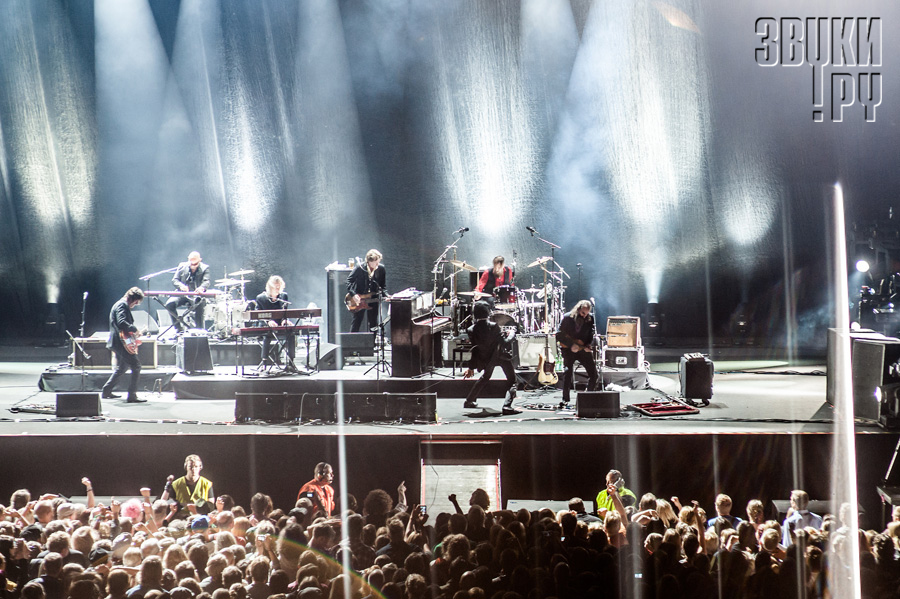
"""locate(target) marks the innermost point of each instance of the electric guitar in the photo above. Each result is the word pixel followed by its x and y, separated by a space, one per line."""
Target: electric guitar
pixel 546 366
pixel 131 341
pixel 362 304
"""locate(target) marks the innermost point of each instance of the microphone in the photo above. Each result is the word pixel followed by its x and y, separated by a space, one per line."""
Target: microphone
pixel 592 302
pixel 462 229
pixel 85 295
pixel 445 293
pixel 532 229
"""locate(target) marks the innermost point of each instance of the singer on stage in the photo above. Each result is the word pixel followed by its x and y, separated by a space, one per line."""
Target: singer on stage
pixel 192 275
pixel 363 286
pixel 495 277
pixel 121 324
pixel 274 298
pixel 575 337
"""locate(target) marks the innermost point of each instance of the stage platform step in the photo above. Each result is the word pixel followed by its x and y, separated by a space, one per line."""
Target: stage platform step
pixel 224 382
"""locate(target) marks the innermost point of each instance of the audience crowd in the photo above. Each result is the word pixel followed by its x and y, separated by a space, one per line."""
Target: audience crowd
pixel 639 546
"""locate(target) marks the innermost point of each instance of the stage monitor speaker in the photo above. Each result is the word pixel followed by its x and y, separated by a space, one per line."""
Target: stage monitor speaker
pixel 313 406
pixel 597 404
pixel 696 374
pixel 623 331
pixel 871 361
pixel 338 317
pixel 271 407
pixel 329 358
pixel 357 344
pixel 75 405
pixel 192 354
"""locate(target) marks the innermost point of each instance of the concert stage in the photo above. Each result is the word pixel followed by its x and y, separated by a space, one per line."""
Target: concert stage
pixel 769 412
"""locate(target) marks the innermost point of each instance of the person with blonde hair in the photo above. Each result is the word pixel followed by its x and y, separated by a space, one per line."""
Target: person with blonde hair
pixel 190 488
pixel 275 298
pixel 364 285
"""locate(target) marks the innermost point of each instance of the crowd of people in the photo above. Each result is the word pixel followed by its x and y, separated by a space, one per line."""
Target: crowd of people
pixel 190 543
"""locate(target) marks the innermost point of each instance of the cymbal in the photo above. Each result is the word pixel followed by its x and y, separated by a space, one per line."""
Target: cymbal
pixel 531 290
pixel 539 261
pixel 228 282
pixel 475 294
pixel 462 264
pixel 241 273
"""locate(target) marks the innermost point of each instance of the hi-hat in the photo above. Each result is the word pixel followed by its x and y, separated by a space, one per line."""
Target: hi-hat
pixel 228 282
pixel 539 261
pixel 241 273
pixel 462 264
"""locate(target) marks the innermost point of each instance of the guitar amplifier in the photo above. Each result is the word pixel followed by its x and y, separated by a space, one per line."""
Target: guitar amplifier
pixel 623 331
pixel 100 358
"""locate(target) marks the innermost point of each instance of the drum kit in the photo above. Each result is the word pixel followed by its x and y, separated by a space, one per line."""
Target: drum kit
pixel 534 310
pixel 227 311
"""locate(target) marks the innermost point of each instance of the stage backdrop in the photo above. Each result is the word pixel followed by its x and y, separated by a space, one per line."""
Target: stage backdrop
pixel 669 148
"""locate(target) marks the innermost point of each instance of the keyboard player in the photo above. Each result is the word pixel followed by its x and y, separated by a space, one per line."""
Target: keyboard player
pixel 274 298
pixel 192 275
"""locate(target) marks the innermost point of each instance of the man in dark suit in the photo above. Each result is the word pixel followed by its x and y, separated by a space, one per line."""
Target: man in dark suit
pixel 490 349
pixel 366 279
pixel 192 275
pixel 122 334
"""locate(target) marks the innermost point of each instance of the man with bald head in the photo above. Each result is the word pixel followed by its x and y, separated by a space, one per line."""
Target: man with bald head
pixel 192 275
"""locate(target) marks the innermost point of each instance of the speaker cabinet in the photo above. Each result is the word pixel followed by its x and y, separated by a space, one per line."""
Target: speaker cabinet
pixel 313 406
pixel 329 358
pixel 597 404
pixel 100 358
pixel 338 317
pixel 272 407
pixel 192 355
pixel 532 347
pixel 696 374
pixel 75 405
pixel 871 361
pixel 623 331
pixel 357 344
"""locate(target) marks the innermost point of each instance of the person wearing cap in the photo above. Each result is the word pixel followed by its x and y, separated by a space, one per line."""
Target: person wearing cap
pixel 320 487
pixel 190 488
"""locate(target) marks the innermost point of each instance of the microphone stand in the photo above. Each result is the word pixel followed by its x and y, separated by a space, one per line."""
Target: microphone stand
pixel 84 355
pixel 381 363
pixel 83 312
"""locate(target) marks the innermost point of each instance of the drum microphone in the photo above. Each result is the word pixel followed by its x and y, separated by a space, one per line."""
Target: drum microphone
pixel 85 295
pixel 533 231
pixel 462 229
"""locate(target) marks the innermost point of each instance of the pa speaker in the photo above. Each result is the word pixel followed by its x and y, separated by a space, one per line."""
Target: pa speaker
pixel 271 407
pixel 329 357
pixel 313 406
pixel 871 361
pixel 696 374
pixel 192 354
pixel 597 404
pixel 74 405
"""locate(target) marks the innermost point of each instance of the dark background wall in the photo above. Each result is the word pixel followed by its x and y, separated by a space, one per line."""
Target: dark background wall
pixel 281 136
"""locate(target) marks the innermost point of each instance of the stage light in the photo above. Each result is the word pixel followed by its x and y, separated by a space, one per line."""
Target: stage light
pixel 653 315
pixel 862 266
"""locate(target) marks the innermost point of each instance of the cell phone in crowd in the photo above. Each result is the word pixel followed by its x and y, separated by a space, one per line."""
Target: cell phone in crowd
pixel 423 509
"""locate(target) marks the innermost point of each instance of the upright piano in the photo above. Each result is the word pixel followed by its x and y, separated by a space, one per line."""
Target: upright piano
pixel 415 333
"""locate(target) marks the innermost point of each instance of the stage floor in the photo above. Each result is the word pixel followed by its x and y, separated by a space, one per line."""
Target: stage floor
pixel 761 396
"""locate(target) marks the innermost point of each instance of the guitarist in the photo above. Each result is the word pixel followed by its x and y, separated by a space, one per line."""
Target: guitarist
pixel 122 330
pixel 490 349
pixel 575 336
pixel 363 286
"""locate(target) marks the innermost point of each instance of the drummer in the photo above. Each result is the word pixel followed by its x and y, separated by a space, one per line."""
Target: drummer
pixel 498 276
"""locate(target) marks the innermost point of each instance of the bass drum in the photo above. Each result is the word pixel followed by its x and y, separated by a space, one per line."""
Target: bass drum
pixel 505 320
pixel 227 315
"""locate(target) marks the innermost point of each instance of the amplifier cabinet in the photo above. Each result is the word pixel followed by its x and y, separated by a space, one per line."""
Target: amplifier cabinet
pixel 100 358
pixel 623 331
pixel 629 358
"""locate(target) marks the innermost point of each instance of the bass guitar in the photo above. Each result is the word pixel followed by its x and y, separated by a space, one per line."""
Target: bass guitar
pixel 362 304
